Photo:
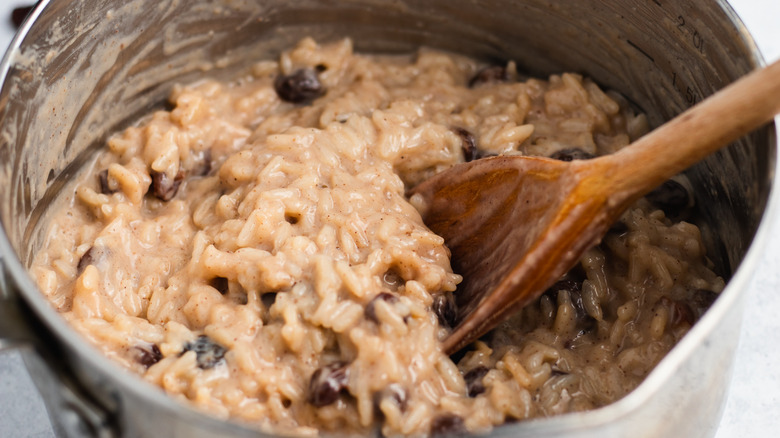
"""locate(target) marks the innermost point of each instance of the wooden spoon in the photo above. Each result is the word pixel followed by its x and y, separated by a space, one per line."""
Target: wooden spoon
pixel 516 224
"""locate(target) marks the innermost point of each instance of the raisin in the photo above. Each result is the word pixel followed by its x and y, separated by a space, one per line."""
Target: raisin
pixel 163 187
pixel 292 219
pixel 448 425
pixel 300 86
pixel 105 187
pixel 469 144
pixel 473 380
pixel 221 284
pixel 571 154
pixel 445 309
pixel 95 255
pixel 19 14
pixel 370 311
pixel 208 352
pixel 148 355
pixel 555 371
pixel 489 75
pixel 328 383
pixel 671 197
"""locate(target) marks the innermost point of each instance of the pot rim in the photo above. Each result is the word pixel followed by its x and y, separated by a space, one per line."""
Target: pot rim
pixel 22 283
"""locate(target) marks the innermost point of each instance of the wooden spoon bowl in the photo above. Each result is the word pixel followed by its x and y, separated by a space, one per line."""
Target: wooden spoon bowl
pixel 516 224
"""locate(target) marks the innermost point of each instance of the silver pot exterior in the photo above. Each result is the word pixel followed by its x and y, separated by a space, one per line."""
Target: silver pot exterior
pixel 81 69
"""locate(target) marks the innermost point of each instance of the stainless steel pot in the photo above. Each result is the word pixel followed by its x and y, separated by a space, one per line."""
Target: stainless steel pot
pixel 81 69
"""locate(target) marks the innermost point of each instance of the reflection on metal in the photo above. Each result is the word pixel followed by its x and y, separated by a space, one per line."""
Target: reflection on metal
pixel 84 68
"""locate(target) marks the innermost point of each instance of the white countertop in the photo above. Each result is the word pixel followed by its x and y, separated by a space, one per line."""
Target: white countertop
pixel 753 405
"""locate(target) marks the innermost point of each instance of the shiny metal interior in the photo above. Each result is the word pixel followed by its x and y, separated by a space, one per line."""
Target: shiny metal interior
pixel 82 69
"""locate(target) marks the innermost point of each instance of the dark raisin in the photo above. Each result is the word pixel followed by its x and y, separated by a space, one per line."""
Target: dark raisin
pixel 148 355
pixel 163 187
pixel 105 187
pixel 19 14
pixel 445 309
pixel 208 352
pixel 489 75
pixel 468 144
pixel 571 154
pixel 221 284
pixel 671 197
pixel 292 219
pixel 328 383
pixel 300 86
pixel 320 68
pixel 448 425
pixel 370 311
pixel 96 256
pixel 473 380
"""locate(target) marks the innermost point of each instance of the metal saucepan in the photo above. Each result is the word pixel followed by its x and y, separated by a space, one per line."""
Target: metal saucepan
pixel 81 69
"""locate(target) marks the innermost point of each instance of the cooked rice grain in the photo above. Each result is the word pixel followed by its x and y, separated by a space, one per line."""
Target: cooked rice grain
pixel 287 221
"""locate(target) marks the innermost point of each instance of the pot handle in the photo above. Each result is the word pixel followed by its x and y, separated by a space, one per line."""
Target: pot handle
pixel 71 411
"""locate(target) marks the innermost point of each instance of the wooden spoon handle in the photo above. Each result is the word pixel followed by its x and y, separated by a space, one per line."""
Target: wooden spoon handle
pixel 720 119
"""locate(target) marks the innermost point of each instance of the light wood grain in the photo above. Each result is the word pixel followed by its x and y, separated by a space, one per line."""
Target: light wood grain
pixel 515 224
